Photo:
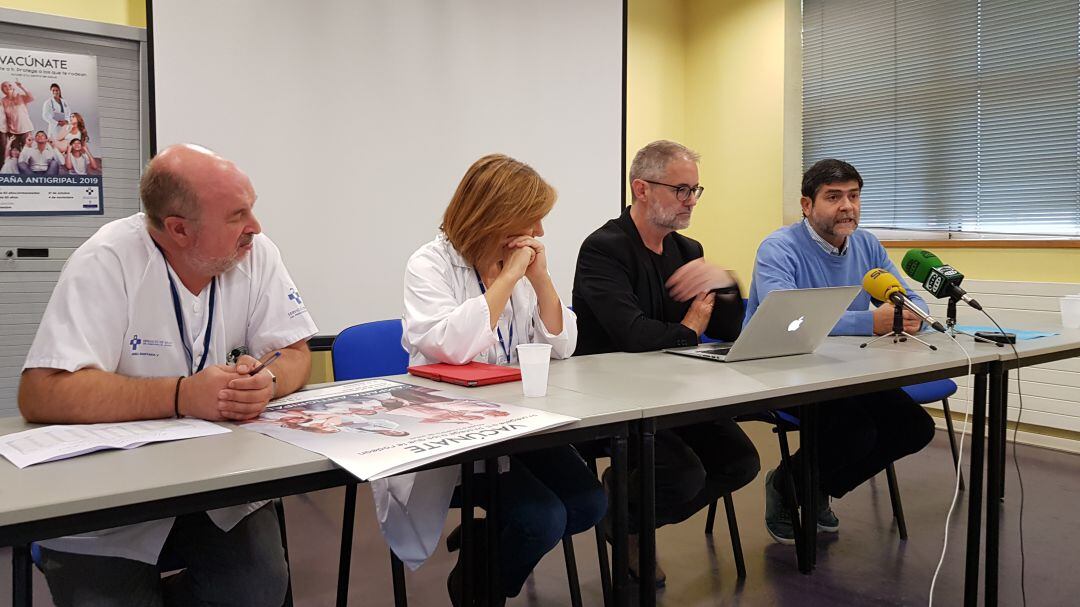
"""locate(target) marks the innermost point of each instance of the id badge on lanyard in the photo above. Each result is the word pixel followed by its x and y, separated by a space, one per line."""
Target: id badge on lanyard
pixel 179 312
pixel 507 346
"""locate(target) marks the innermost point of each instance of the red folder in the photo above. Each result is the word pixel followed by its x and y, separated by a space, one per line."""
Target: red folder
pixel 471 374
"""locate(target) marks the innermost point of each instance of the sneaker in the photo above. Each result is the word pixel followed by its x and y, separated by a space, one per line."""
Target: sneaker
pixel 826 518
pixel 777 516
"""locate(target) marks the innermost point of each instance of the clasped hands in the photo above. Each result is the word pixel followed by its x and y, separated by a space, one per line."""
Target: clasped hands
pixel 226 392
pixel 527 258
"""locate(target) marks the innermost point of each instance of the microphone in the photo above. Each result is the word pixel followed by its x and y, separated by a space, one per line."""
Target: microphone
pixel 883 286
pixel 939 279
pixel 917 263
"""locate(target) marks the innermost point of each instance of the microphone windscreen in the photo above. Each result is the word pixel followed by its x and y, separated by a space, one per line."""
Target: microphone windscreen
pixel 881 285
pixel 917 264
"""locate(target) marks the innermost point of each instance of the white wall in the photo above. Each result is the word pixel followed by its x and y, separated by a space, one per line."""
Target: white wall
pixel 356 119
pixel 1050 395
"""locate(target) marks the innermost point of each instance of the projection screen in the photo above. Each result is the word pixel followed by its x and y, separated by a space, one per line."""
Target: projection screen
pixel 357 119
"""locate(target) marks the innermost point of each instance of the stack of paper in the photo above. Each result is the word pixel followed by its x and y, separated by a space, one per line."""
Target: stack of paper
pixel 58 442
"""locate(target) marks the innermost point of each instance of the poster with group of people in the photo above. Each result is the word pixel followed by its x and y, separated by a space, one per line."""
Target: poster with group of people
pixel 377 428
pixel 49 127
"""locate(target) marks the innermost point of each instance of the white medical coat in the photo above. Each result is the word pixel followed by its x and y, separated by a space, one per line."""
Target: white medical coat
pixel 51 107
pixel 112 310
pixel 447 320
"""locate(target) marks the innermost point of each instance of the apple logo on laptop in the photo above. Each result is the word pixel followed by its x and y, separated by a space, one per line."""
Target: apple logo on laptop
pixel 795 324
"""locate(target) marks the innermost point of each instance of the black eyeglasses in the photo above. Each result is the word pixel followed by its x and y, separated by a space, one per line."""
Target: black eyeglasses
pixel 682 192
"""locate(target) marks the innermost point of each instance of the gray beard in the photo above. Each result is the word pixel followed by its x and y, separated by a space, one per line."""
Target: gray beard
pixel 668 221
pixel 215 267
pixel 218 265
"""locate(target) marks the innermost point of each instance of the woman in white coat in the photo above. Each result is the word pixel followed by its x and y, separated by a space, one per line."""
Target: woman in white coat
pixel 55 112
pixel 473 294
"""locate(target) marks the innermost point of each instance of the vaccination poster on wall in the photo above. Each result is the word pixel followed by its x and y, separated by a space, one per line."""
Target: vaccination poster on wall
pixel 49 131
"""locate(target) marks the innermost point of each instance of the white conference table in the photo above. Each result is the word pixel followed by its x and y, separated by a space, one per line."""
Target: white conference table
pixel 31 498
pixel 609 393
pixel 662 384
pixel 674 391
pixel 111 488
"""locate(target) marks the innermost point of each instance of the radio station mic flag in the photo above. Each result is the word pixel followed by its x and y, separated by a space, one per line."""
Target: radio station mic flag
pixel 883 286
pixel 939 279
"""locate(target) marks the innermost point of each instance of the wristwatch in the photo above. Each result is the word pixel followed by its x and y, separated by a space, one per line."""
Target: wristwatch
pixel 273 380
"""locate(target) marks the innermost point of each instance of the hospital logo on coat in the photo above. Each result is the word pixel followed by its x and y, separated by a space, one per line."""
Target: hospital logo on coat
pixel 294 296
pixel 147 347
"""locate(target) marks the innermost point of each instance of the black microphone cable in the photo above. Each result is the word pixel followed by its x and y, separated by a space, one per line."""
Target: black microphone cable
pixel 1016 460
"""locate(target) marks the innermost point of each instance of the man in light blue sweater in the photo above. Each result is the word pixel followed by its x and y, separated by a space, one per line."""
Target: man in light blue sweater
pixel 859 436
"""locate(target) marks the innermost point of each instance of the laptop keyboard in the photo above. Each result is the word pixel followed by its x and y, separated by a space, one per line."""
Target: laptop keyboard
pixel 719 350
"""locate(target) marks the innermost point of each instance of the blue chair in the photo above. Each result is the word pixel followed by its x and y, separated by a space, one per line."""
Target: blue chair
pixel 931 392
pixel 783 422
pixel 373 349
pixel 729 508
pixel 922 394
pixel 370 349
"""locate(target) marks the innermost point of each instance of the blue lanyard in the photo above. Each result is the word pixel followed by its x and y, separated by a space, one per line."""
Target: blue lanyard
pixel 179 312
pixel 507 345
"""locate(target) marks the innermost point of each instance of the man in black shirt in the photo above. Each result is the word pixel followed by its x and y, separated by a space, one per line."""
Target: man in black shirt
pixel 641 286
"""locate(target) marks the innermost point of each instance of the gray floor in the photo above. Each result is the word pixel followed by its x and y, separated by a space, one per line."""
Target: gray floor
pixel 864 564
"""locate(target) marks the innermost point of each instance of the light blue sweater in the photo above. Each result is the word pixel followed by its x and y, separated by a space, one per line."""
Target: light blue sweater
pixel 790 259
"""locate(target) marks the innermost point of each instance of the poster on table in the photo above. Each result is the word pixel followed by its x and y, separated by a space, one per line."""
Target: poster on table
pixel 50 134
pixel 377 428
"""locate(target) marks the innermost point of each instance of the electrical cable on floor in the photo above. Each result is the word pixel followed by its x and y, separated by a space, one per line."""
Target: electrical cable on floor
pixel 959 466
pixel 1016 461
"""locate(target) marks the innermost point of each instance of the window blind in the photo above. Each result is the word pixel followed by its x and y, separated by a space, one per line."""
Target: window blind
pixel 960 115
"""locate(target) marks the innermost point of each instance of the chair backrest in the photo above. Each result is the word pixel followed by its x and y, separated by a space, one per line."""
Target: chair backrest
pixel 370 349
pixel 705 339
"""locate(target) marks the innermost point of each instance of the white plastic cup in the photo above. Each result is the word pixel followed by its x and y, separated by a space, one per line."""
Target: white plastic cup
pixel 534 360
pixel 1070 312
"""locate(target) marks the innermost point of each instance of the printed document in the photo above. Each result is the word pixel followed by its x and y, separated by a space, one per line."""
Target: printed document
pixel 51 443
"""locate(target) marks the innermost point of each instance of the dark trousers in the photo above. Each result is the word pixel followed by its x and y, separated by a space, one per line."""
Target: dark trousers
pixel 861 435
pixel 695 465
pixel 545 495
pixel 241 567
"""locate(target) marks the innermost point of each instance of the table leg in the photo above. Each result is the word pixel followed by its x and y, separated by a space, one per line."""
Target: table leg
pixel 993 483
pixel 397 573
pixel 815 482
pixel 647 501
pixel 494 588
pixel 975 491
pixel 807 421
pixel 348 519
pixel 621 516
pixel 792 496
pixel 1004 426
pixel 21 578
pixel 468 546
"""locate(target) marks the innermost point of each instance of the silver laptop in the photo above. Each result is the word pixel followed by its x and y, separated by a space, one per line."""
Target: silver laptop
pixel 788 322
